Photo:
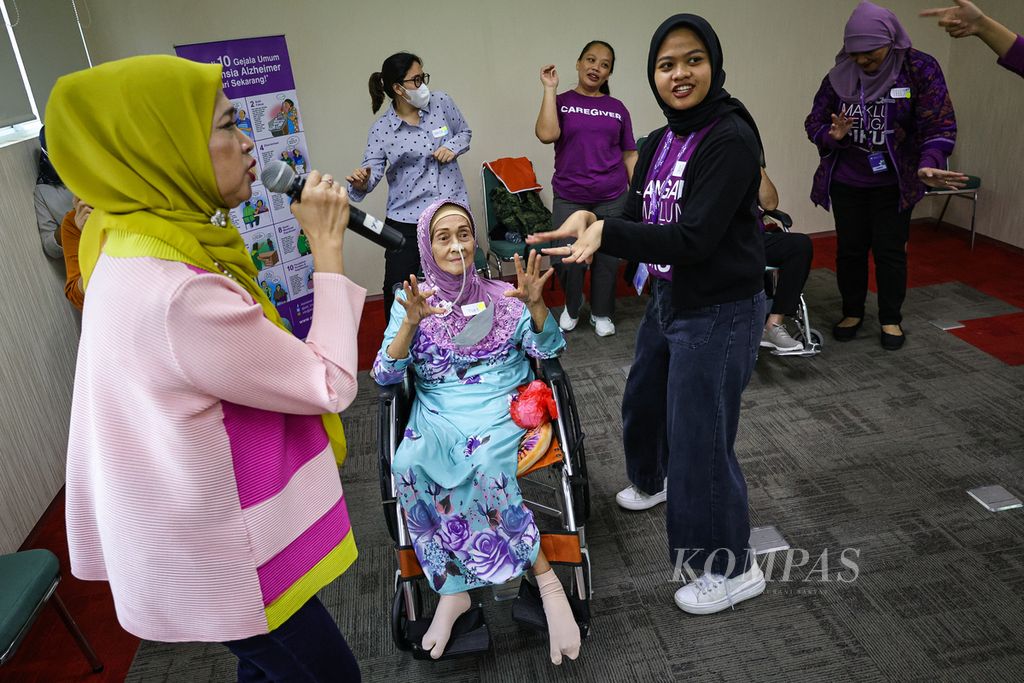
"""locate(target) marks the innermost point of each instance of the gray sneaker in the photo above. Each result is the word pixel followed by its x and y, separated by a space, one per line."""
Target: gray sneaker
pixel 776 337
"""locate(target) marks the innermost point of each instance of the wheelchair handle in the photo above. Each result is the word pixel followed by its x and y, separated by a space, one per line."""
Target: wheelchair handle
pixel 781 216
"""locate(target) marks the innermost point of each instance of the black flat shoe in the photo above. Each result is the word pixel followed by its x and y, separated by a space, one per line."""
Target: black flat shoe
pixel 845 334
pixel 893 342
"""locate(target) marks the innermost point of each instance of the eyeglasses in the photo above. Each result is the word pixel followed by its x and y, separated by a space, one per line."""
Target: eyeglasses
pixel 418 80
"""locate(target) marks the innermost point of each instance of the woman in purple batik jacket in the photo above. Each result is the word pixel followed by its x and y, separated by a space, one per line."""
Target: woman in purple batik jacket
pixel 884 126
pixel 467 340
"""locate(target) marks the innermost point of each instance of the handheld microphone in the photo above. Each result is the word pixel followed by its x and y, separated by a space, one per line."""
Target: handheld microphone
pixel 279 177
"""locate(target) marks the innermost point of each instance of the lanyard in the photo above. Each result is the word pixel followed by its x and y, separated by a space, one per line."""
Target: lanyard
pixel 666 145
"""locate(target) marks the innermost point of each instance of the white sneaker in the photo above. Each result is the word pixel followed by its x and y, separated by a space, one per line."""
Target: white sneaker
pixel 776 337
pixel 632 498
pixel 603 326
pixel 566 321
pixel 711 593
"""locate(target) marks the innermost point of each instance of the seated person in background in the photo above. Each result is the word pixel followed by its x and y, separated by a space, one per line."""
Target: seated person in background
pixel 467 340
pixel 791 253
pixel 52 201
pixel 71 233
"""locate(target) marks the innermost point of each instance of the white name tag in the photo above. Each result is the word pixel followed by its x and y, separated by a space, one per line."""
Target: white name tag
pixel 900 93
pixel 677 170
pixel 440 132
pixel 469 310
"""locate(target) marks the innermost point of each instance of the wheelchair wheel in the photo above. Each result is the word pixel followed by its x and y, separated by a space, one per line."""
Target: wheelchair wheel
pixel 399 619
pixel 816 338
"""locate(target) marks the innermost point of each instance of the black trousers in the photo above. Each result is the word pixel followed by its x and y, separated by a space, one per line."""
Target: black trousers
pixel 791 253
pixel 399 264
pixel 869 219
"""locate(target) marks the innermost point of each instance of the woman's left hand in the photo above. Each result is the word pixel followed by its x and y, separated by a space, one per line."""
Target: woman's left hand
pixel 444 155
pixel 530 283
pixel 572 228
pixel 942 180
pixel 584 248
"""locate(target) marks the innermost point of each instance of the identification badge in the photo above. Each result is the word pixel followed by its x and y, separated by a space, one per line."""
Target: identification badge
pixel 877 161
pixel 900 93
pixel 677 170
pixel 440 132
pixel 640 278
pixel 469 310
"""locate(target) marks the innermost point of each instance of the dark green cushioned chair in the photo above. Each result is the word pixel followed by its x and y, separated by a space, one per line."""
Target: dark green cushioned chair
pixel 27 581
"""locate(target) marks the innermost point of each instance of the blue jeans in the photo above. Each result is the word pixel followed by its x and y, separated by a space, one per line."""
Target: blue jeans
pixel 308 647
pixel 680 413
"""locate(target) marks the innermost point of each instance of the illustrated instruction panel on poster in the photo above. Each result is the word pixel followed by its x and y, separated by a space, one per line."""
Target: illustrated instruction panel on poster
pixel 257 76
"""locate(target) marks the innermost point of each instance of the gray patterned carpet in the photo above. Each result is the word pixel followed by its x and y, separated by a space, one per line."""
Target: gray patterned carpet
pixel 856 448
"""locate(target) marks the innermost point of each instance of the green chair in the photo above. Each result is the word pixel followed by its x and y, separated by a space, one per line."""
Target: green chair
pixel 500 251
pixel 969 191
pixel 27 580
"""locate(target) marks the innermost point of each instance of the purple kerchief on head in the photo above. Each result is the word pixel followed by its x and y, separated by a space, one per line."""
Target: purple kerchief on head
pixel 869 28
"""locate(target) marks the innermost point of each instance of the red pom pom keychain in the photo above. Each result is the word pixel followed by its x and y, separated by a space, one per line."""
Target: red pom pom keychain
pixel 534 406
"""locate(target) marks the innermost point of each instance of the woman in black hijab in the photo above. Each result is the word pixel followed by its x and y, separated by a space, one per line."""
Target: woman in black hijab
pixel 690 226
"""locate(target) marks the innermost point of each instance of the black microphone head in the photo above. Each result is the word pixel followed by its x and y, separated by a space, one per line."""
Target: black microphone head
pixel 277 176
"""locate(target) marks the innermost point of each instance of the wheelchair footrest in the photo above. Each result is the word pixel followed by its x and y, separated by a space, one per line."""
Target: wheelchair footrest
pixel 528 609
pixel 470 635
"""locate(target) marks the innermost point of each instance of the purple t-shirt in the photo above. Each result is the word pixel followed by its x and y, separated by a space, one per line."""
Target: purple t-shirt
pixel 867 136
pixel 588 153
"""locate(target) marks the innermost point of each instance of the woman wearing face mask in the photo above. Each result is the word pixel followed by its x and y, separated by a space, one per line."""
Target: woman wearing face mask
pixel 456 466
pixel 690 221
pixel 594 157
pixel 415 145
pixel 884 126
pixel 205 493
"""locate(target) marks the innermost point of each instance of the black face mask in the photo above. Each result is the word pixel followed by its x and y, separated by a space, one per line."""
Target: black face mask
pixel 718 102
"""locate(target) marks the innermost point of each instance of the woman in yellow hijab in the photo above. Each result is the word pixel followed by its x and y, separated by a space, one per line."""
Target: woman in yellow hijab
pixel 207 494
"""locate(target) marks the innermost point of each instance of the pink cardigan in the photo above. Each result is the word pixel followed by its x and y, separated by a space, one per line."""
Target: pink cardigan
pixel 200 481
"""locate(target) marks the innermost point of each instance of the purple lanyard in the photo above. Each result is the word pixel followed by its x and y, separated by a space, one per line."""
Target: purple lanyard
pixel 666 145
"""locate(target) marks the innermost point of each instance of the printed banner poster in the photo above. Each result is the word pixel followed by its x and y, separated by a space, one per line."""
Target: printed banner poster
pixel 257 76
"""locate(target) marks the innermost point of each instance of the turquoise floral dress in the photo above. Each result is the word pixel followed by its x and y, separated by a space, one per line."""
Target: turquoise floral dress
pixel 456 465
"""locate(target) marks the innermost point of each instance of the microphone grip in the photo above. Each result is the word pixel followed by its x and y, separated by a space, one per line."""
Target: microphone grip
pixel 359 222
pixel 374 229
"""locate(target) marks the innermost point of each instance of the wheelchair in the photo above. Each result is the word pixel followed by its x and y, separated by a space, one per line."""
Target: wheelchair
pixel 811 338
pixel 555 488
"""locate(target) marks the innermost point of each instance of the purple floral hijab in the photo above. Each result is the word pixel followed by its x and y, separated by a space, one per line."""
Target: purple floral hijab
pixel 440 329
pixel 869 28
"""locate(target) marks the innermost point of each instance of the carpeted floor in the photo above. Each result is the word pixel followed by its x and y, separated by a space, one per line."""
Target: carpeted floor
pixel 856 448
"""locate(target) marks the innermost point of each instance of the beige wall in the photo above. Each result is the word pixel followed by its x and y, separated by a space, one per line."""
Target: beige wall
pixel 487 55
pixel 38 340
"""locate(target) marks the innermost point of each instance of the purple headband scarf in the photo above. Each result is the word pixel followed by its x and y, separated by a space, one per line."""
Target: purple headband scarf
pixel 869 28
pixel 439 330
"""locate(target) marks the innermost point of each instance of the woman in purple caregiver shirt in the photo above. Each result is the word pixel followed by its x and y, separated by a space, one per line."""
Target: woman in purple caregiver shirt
pixel 884 125
pixel 594 158
pixel 415 145
pixel 966 19
pixel 690 222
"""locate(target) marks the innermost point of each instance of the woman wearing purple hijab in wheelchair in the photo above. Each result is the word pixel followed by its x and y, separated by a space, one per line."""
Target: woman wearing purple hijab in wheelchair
pixel 466 340
pixel 884 126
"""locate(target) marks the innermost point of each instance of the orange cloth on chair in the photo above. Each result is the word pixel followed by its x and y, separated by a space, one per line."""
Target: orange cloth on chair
pixel 515 173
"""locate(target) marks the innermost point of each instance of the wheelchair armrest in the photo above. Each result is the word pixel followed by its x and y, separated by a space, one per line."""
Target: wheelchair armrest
pixel 552 370
pixel 388 392
pixel 781 216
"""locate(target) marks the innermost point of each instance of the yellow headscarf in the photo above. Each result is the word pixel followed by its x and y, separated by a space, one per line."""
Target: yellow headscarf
pixel 131 138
